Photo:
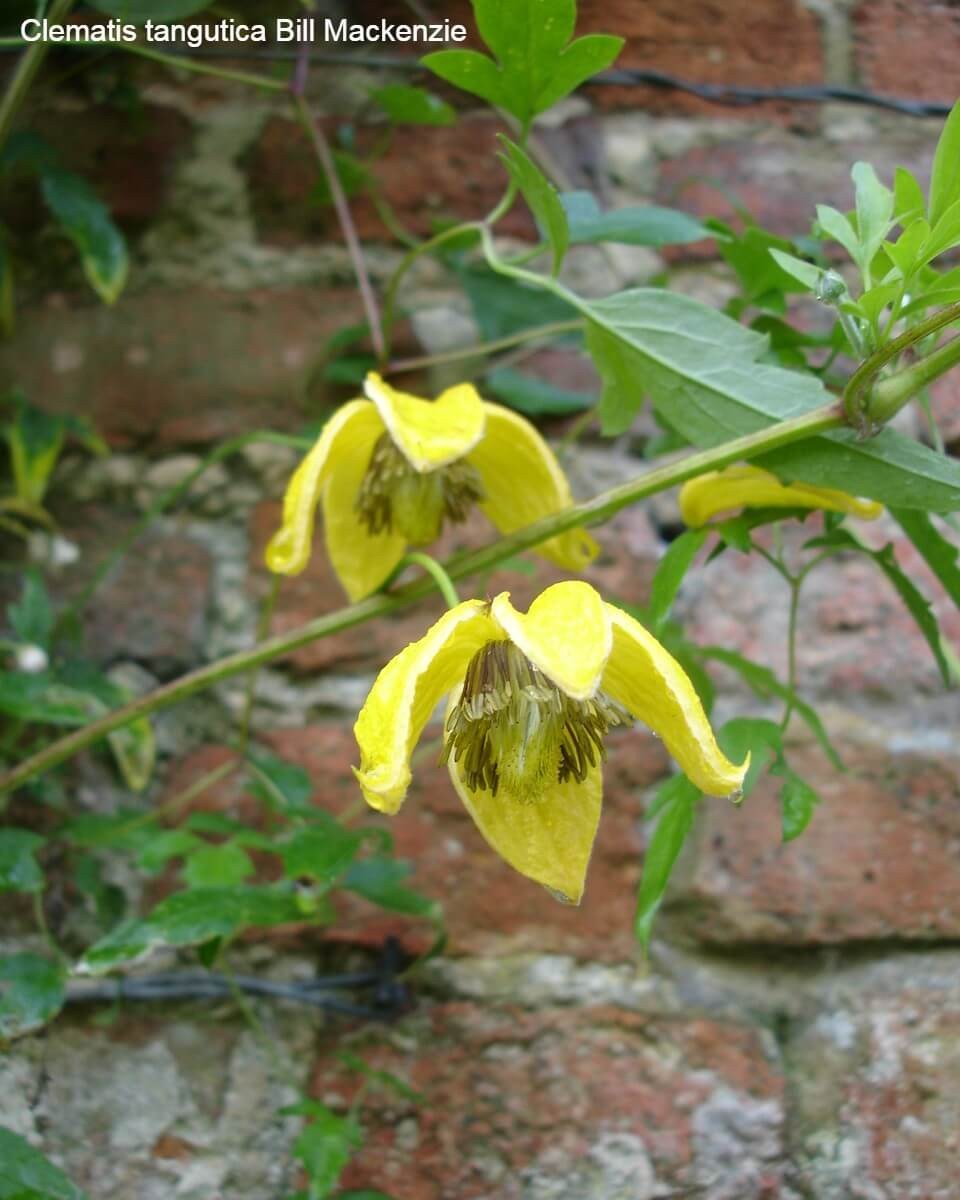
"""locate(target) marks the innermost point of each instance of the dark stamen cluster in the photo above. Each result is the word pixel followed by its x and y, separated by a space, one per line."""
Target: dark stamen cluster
pixel 512 724
pixel 393 495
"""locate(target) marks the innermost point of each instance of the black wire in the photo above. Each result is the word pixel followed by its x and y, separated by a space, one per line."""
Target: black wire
pixel 728 94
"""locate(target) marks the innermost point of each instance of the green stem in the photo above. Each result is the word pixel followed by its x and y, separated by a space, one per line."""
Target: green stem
pixel 795 583
pixel 890 395
pixel 182 63
pixel 263 628
pixel 168 498
pixel 468 563
pixel 393 284
pixel 25 71
pixel 485 349
pixel 860 394
pixel 435 571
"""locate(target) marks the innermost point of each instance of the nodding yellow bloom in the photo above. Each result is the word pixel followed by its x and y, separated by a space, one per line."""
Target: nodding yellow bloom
pixel 389 470
pixel 531 696
pixel 752 487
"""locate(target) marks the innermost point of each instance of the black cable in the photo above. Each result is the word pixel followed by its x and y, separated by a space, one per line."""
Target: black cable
pixel 731 95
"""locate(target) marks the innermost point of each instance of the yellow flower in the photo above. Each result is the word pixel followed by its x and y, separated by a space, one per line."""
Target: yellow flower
pixel 390 469
pixel 752 487
pixel 531 696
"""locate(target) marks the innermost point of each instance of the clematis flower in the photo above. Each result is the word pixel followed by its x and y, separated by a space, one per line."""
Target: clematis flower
pixel 390 469
pixel 531 697
pixel 752 487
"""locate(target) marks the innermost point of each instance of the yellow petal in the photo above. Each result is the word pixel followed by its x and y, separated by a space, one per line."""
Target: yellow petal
pixel 752 487
pixel 549 839
pixel 362 560
pixel 565 632
pixel 406 692
pixel 429 433
pixel 652 685
pixel 523 482
pixel 349 434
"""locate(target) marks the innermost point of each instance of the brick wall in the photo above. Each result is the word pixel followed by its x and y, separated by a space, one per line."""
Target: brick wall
pixel 795 1033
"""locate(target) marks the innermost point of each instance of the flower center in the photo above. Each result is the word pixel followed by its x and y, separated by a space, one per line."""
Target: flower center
pixel 513 726
pixel 394 496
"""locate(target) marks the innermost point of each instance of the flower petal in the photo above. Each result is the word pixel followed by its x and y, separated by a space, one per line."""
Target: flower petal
pixel 549 839
pixel 362 560
pixel 405 694
pixel 349 434
pixel 652 685
pixel 752 487
pixel 434 433
pixel 565 632
pixel 523 482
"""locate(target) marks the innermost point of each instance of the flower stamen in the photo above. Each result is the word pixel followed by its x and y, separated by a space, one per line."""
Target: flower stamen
pixel 513 727
pixel 395 496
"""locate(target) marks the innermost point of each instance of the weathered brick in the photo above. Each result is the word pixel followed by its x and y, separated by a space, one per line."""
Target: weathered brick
pixel 873 1081
pixel 908 47
pixel 182 367
pixel 592 1103
pixel 880 859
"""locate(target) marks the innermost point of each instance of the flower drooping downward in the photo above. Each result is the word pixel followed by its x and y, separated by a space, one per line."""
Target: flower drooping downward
pixel 752 487
pixel 531 698
pixel 390 470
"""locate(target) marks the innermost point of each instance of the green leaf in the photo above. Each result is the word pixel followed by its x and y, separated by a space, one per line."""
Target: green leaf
pixel 874 211
pixel 167 844
pixel 192 917
pixel 19 869
pixel 805 272
pixel 671 572
pixel 217 866
pixel 37 698
pixel 765 684
pixel 648 225
pixel 540 195
pixel 354 176
pixel 945 235
pixel 128 829
pixel 139 11
pixel 888 467
pixel 7 302
pixel 385 1079
pixel 35 439
pixel 914 600
pixel 532 396
pixel 534 66
pixel 797 802
pixel 835 225
pixel 908 199
pixel 502 307
pixel 406 105
pixel 380 880
pixel 945 175
pixel 621 370
pixel 325 1144
pixel 31 617
pixel 89 226
pixel 32 991
pixel 280 785
pixel 675 822
pixel 321 853
pixel 939 554
pixel 26 1175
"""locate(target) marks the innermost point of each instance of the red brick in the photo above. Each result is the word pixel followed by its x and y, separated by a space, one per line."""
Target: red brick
pixel 908 47
pixel 429 173
pixel 747 43
pixel 592 1102
pixel 179 367
pixel 880 859
pixel 490 909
